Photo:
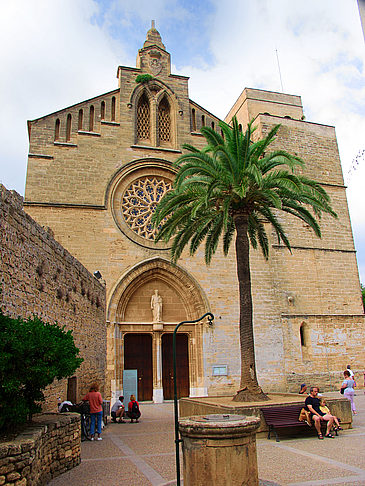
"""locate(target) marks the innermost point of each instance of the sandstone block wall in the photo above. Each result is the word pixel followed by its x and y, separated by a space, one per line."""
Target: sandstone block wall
pixel 39 277
pixel 78 189
pixel 46 448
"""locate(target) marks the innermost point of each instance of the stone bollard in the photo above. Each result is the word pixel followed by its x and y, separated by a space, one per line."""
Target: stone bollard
pixel 219 450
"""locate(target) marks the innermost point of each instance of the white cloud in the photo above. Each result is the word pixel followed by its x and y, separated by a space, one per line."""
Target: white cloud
pixel 56 53
pixel 52 56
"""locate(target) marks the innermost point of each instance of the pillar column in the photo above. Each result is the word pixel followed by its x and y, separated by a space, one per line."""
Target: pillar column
pixel 157 375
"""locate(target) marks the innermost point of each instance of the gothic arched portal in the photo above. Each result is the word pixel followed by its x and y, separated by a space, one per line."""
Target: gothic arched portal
pixel 130 312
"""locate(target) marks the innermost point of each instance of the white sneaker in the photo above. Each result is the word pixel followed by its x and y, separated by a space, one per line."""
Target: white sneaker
pixel 99 438
pixel 92 438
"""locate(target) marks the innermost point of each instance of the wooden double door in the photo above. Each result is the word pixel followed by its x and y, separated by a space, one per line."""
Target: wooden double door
pixel 138 356
pixel 182 366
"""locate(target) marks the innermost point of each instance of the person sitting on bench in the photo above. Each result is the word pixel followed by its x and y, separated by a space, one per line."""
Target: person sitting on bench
pixel 312 403
pixel 323 407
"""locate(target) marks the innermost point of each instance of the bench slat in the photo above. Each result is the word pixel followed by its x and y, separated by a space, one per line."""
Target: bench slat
pixel 280 417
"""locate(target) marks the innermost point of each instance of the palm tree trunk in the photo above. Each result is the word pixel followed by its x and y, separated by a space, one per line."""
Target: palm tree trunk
pixel 250 389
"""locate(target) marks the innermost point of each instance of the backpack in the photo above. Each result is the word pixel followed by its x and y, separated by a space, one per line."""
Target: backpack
pixel 135 408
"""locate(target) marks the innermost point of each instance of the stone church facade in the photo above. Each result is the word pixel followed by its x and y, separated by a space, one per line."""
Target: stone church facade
pixel 96 171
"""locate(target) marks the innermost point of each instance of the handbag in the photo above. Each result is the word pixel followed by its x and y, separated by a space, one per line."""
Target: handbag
pixel 342 390
pixel 305 416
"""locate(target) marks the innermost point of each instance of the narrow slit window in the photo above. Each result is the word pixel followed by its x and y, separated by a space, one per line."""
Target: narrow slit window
pixel 102 110
pixel 81 119
pixel 212 124
pixel 113 108
pixel 193 120
pixel 57 129
pixel 68 127
pixel 304 336
pixel 303 342
pixel 203 120
pixel 91 119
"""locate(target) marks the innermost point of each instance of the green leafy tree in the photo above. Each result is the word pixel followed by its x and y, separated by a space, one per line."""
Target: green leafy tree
pixel 232 188
pixel 363 295
pixel 32 355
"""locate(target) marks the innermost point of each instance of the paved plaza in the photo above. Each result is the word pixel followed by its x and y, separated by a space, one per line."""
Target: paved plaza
pixel 144 454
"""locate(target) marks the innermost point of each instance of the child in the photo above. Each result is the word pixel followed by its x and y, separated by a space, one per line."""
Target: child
pixel 323 408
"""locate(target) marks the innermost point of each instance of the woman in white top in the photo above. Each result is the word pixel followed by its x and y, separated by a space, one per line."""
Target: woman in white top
pixel 348 387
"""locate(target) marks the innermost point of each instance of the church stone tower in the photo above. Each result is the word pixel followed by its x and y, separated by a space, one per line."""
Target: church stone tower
pixel 96 171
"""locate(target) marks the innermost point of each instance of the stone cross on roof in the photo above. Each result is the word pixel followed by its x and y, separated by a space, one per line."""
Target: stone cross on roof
pixel 153 37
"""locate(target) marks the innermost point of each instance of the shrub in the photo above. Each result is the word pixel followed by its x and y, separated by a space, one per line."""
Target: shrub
pixel 143 78
pixel 32 355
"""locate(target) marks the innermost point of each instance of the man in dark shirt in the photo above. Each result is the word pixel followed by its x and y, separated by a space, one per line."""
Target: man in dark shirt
pixel 312 404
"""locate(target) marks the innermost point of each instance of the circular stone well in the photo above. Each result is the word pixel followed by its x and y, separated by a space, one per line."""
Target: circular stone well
pixel 219 449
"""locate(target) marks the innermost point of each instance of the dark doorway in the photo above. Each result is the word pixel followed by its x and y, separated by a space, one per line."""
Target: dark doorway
pixel 72 389
pixel 182 366
pixel 138 356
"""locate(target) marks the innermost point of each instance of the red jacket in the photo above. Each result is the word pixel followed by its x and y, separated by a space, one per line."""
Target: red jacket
pixel 95 400
pixel 130 404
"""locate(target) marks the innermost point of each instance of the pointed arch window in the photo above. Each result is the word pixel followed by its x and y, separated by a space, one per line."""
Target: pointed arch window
pixel 91 119
pixel 81 119
pixel 164 121
pixel 193 120
pixel 68 127
pixel 203 120
pixel 143 118
pixel 113 108
pixel 57 130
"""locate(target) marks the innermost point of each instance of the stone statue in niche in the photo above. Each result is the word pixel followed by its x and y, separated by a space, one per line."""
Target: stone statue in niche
pixel 156 307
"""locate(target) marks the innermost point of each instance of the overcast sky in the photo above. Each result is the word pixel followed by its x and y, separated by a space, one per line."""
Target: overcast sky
pixel 58 52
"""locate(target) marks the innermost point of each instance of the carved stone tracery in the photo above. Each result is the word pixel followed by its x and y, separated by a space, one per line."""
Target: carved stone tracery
pixel 139 203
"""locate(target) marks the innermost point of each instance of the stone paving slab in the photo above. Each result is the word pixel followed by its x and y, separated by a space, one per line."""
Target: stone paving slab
pixel 144 454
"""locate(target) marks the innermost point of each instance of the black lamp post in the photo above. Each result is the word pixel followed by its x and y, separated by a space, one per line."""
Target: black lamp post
pixel 177 440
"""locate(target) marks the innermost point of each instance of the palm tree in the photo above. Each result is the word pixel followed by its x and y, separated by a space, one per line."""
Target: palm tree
pixel 234 187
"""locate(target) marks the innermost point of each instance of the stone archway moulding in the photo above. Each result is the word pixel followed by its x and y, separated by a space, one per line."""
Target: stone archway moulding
pixel 184 284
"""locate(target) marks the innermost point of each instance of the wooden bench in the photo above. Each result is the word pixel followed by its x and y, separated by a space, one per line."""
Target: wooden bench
pixel 285 416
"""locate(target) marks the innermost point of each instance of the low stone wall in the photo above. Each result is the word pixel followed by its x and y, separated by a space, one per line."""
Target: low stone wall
pixel 46 448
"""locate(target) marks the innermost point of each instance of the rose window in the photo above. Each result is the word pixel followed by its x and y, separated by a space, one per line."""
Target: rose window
pixel 139 203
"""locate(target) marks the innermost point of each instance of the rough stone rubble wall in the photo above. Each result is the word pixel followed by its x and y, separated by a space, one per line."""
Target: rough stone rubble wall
pixel 46 448
pixel 39 277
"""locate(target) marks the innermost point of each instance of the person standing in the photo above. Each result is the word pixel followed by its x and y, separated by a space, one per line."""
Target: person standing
pixel 96 409
pixel 348 388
